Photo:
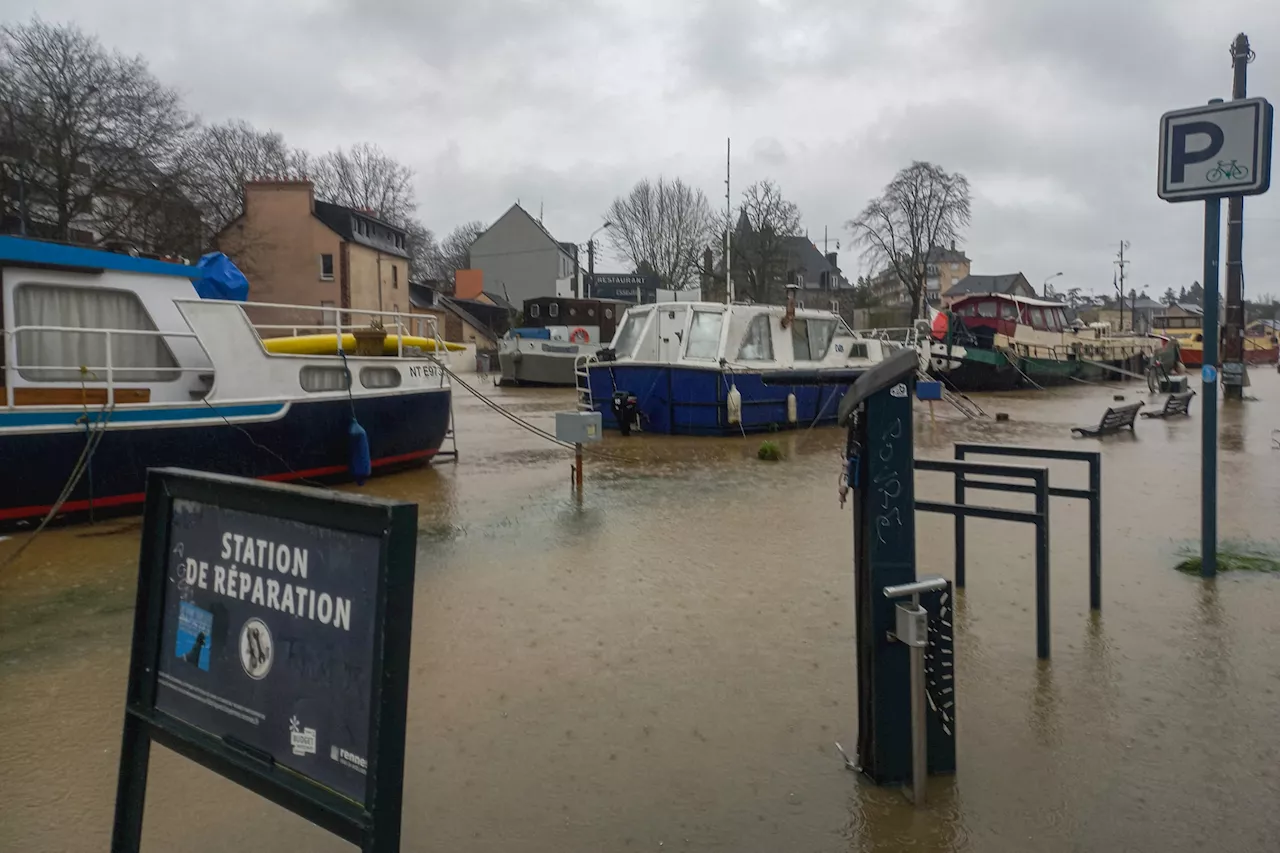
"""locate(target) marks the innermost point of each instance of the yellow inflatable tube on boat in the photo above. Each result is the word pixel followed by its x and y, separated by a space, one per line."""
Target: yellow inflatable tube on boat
pixel 328 345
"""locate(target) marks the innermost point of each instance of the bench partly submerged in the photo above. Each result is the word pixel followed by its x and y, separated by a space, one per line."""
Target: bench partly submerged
pixel 1113 421
pixel 1177 404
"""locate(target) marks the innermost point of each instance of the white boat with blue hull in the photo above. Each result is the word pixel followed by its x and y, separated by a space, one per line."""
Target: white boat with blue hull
pixel 694 368
pixel 112 365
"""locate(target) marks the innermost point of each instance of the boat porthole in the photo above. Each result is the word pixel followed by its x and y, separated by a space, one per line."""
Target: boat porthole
pixel 608 313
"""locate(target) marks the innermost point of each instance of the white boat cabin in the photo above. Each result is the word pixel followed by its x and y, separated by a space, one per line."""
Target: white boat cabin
pixel 745 337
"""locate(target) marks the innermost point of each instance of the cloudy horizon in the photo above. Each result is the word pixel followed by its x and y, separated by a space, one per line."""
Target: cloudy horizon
pixel 1051 112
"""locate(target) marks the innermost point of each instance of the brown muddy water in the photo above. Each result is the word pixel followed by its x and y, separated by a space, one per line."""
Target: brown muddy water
pixel 668 665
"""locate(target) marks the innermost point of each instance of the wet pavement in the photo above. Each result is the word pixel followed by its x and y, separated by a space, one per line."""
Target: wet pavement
pixel 667 664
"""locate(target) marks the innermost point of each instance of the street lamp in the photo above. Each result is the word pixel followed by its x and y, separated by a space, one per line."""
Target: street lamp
pixel 1045 287
pixel 591 255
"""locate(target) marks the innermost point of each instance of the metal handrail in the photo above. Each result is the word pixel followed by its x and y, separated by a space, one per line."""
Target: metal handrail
pixel 11 366
pixel 396 316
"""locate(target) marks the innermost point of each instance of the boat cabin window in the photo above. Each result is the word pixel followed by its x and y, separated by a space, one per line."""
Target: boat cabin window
pixel 967 310
pixel 553 310
pixel 534 310
pixel 1037 317
pixel 628 335
pixel 810 339
pixel 857 351
pixel 315 379
pixel 1051 319
pixel 987 309
pixel 757 343
pixel 704 334
pixel 58 356
pixel 1008 311
pixel 380 377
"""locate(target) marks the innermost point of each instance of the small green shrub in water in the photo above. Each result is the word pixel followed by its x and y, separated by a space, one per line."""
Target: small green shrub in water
pixel 769 451
pixel 1233 557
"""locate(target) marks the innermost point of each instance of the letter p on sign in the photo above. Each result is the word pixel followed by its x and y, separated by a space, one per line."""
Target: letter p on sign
pixel 1216 150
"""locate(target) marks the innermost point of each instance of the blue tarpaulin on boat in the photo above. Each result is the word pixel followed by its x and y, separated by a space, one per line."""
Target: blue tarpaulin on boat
pixel 532 333
pixel 219 278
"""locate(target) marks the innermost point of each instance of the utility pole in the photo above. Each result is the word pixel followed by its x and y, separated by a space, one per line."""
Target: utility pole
pixel 1233 332
pixel 591 266
pixel 728 222
pixel 1121 263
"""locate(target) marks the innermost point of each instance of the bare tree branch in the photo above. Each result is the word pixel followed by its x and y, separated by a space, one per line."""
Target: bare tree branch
pixel 765 223
pixel 664 226
pixel 922 209
pixel 97 140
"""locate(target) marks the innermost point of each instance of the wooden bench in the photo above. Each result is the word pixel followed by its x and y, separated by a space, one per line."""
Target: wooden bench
pixel 1177 404
pixel 1113 421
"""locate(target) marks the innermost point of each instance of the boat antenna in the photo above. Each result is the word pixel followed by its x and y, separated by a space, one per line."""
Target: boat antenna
pixel 728 222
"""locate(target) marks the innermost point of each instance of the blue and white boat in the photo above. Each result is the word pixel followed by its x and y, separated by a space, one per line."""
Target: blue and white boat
pixel 694 368
pixel 112 364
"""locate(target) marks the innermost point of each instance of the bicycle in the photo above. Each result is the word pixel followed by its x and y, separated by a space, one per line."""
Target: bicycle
pixel 1225 171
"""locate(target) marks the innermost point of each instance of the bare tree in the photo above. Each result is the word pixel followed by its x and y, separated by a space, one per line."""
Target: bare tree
pixel 223 158
pixel 921 209
pixel 424 251
pixel 665 225
pixel 455 249
pixel 765 223
pixel 366 178
pixel 93 135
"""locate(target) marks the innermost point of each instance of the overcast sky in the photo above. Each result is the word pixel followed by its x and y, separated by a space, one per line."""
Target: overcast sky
pixel 1050 107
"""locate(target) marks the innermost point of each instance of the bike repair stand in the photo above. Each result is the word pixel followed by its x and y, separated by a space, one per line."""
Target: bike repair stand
pixel 905 653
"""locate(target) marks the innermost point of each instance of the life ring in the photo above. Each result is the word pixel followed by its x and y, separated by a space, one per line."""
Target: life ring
pixel 579 336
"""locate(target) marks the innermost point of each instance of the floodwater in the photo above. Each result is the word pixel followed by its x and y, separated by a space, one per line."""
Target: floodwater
pixel 668 664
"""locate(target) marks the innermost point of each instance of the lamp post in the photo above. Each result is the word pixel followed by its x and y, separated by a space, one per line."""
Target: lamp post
pixel 1044 288
pixel 591 255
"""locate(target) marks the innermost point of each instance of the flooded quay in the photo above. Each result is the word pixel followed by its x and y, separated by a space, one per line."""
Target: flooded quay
pixel 668 663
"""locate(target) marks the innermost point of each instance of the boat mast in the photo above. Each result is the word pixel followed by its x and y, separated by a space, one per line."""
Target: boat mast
pixel 728 223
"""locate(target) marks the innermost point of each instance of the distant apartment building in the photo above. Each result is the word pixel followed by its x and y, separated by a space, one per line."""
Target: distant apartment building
pixel 297 250
pixel 944 268
pixel 518 258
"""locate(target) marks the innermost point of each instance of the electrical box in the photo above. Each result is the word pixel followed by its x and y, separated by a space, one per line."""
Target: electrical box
pixel 578 427
pixel 912 627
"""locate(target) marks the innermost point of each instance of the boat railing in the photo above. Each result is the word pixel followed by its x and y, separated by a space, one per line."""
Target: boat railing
pixel 400 325
pixel 92 373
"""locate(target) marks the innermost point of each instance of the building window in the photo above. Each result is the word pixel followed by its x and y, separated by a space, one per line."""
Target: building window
pixel 379 377
pixel 553 310
pixel 328 316
pixel 395 276
pixel 326 267
pixel 757 343
pixel 60 355
pixel 79 235
pixel 316 379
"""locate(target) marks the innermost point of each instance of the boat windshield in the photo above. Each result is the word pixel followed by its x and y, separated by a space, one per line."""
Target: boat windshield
pixel 704 334
pixel 624 342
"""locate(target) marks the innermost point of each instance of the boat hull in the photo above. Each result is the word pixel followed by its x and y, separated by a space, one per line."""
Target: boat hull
pixel 678 400
pixel 300 441
pixel 523 368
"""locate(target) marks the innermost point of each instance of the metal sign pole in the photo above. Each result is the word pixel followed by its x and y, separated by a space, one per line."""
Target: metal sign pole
pixel 1209 393
pixel 1223 149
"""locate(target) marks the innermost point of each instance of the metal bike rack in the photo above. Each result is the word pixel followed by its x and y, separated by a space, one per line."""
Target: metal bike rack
pixel 1039 517
pixel 1093 494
